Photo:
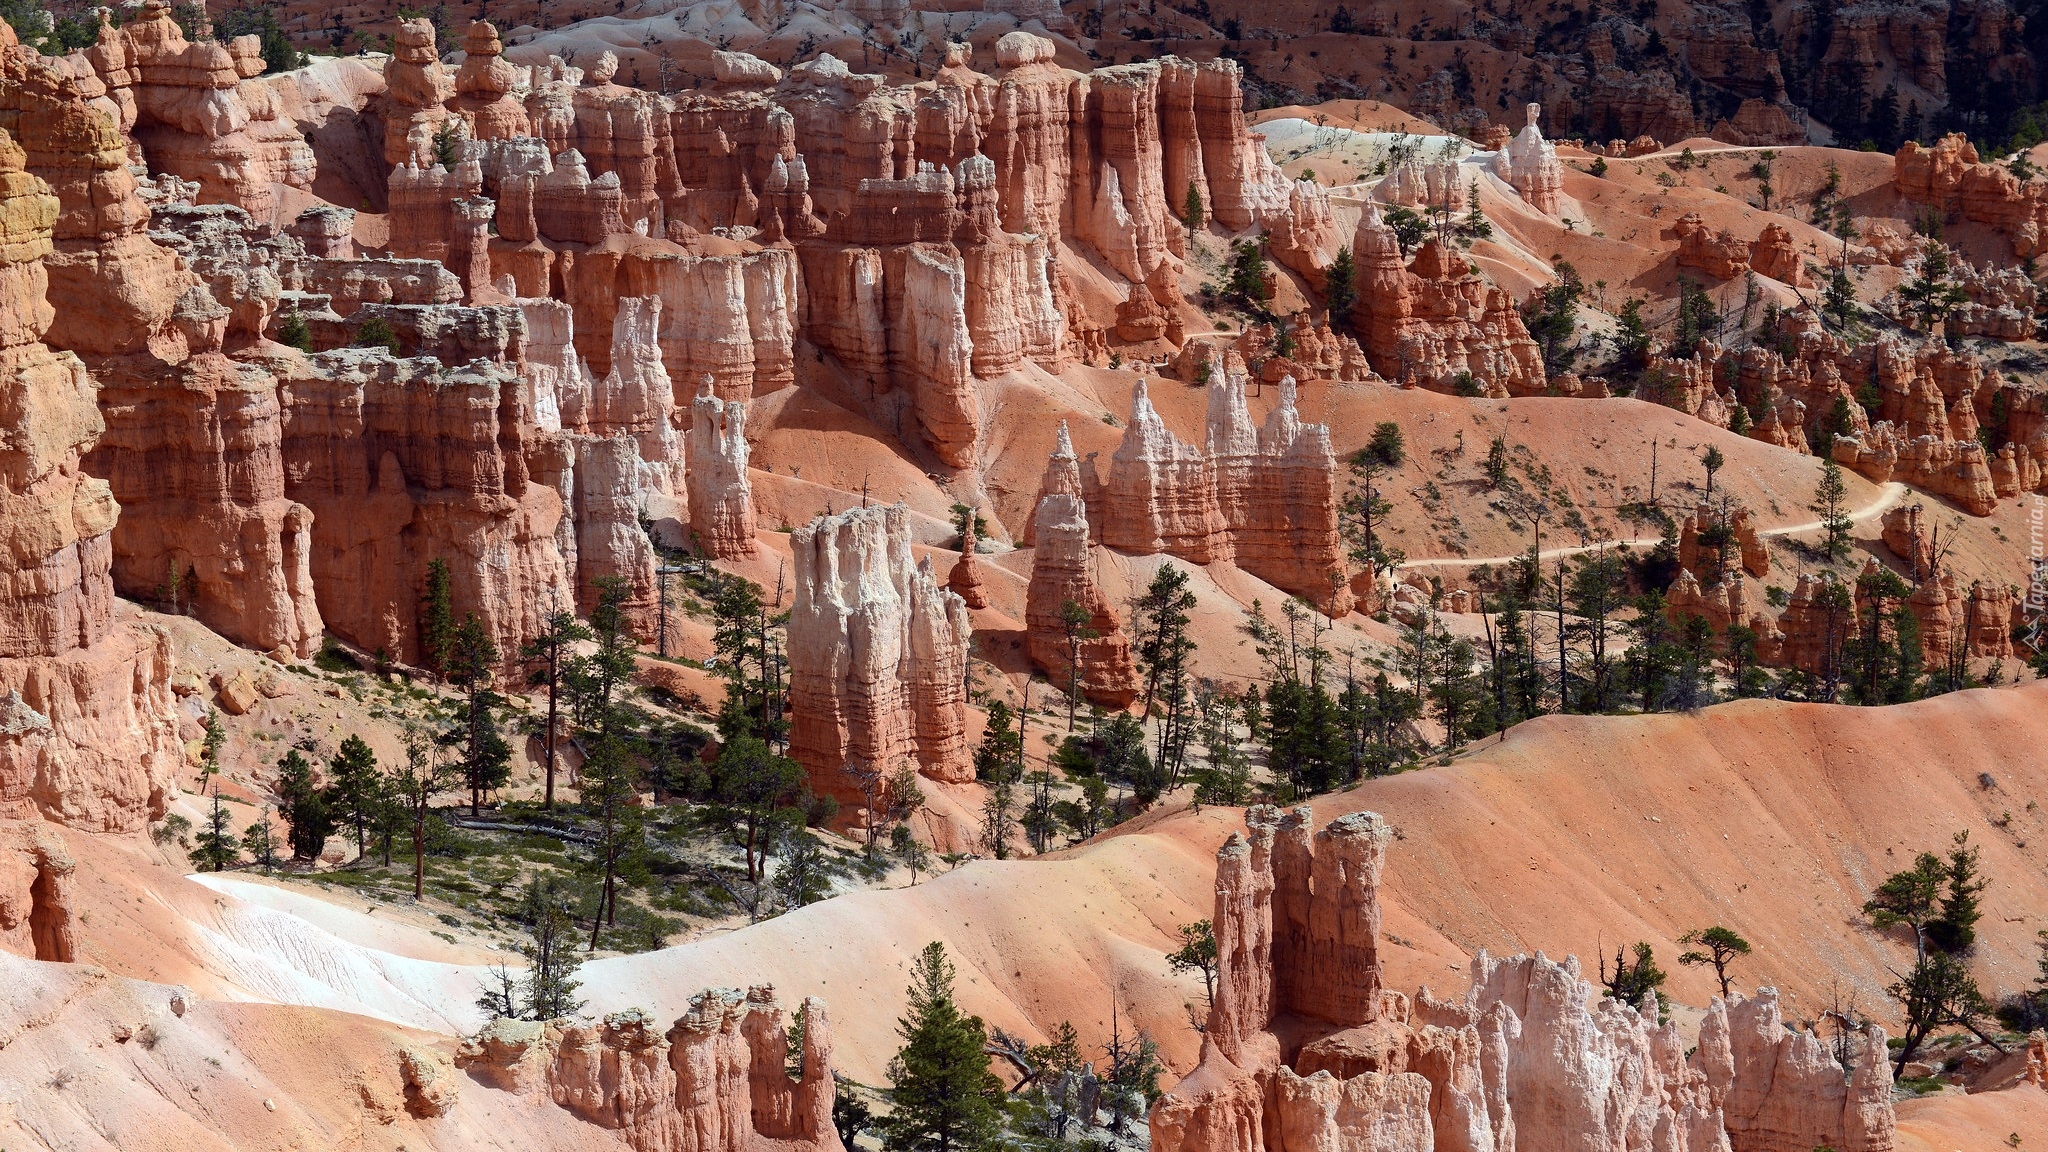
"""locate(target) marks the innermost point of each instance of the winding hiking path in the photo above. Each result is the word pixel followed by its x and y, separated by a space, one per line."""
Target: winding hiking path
pixel 1893 493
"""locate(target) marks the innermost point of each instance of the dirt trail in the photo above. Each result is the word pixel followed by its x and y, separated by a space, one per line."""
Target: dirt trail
pixel 1893 493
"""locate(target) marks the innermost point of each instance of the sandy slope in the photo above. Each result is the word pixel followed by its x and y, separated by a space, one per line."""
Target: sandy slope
pixel 1574 834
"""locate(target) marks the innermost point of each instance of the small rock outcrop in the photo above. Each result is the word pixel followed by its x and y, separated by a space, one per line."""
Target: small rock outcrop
pixel 1529 162
pixel 1434 322
pixel 877 655
pixel 1062 573
pixel 965 578
pixel 715 1081
pixel 721 501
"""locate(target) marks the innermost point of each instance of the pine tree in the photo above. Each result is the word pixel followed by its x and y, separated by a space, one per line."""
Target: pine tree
pixel 1340 288
pixel 802 878
pixel 609 794
pixel 549 990
pixel 260 841
pixel 1192 212
pixel 548 654
pixel 214 737
pixel 214 848
pixel 413 788
pixel 1716 947
pixel 752 789
pixel 1954 927
pixel 355 789
pixel 945 1097
pixel 1830 500
pixel 1160 621
pixel 307 818
pixel 470 659
pixel 1000 756
pixel 1197 953
pixel 1074 622
pixel 437 616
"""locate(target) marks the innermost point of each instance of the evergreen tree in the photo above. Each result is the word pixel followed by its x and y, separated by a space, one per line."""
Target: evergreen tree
pixel 1716 947
pixel 1000 756
pixel 1596 592
pixel 752 793
pixel 548 991
pixel 413 788
pixel 307 817
pixel 945 1097
pixel 213 738
pixel 1246 286
pixel 802 879
pixel 259 841
pixel 596 678
pixel 1936 992
pixel 1473 226
pixel 998 819
pixel 1226 778
pixel 1192 212
pixel 1630 983
pixel 1040 818
pixel 437 616
pixel 1954 927
pixel 1340 288
pixel 747 660
pixel 1160 621
pixel 355 789
pixel 1912 898
pixel 469 661
pixel 293 332
pixel 609 795
pixel 1830 500
pixel 1074 621
pixel 548 655
pixel 1698 316
pixel 1932 294
pixel 1197 953
pixel 214 848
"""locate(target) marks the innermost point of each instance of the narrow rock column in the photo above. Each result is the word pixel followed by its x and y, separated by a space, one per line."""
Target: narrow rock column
pixel 469 244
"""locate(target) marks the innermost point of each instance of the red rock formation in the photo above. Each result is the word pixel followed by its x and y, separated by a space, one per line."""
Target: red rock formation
pixel 1529 162
pixel 1714 251
pixel 1759 124
pixel 721 501
pixel 1780 1088
pixel 1713 541
pixel 193 111
pixel 35 888
pixel 877 655
pixel 1814 629
pixel 1524 1059
pixel 1161 494
pixel 715 1082
pixel 1774 256
pixel 1063 570
pixel 399 473
pixel 418 89
pixel 1277 493
pixel 1991 614
pixel 1430 322
pixel 1949 176
pixel 2037 1058
pixel 1728 600
pixel 965 578
pixel 483 87
pixel 1906 532
pixel 86 730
